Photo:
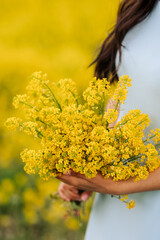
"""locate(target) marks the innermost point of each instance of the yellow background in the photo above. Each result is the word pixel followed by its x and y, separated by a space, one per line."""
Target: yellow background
pixel 60 38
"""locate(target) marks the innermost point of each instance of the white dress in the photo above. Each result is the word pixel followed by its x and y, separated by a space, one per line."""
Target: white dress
pixel 110 219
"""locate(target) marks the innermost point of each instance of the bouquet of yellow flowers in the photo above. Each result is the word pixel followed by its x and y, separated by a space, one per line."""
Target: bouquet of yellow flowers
pixel 76 134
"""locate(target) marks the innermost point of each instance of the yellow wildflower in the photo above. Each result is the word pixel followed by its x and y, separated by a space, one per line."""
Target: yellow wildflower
pixel 131 204
pixel 13 123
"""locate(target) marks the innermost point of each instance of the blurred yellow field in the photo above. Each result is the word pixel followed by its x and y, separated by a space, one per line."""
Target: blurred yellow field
pixel 60 38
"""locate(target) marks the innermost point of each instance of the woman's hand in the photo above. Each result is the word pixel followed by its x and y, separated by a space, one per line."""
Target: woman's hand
pixel 68 193
pixel 108 186
pixel 73 181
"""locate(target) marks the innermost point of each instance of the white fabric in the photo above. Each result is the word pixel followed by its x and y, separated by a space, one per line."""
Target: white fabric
pixel 110 219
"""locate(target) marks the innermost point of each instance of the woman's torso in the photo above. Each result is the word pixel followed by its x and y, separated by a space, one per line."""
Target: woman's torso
pixel 110 219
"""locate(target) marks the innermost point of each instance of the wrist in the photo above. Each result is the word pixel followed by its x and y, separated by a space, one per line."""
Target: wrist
pixel 114 187
pixel 122 187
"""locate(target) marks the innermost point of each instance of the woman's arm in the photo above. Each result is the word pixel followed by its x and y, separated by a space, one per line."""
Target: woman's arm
pixel 108 186
pixel 152 183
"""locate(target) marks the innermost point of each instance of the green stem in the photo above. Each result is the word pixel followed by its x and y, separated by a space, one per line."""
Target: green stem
pixel 39 134
pixel 117 105
pixel 115 196
pixel 132 159
pixel 36 111
pixel 42 122
pixel 140 122
pixel 52 94
pixel 74 96
pixel 42 102
pixel 119 197
pixel 29 105
pixel 149 138
pixel 121 124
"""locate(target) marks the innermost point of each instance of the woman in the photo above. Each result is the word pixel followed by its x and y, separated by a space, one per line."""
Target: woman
pixel 132 48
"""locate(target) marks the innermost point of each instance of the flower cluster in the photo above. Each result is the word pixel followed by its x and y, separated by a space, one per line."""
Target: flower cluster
pixel 77 136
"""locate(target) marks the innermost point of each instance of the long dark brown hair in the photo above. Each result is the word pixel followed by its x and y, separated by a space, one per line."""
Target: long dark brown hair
pixel 130 13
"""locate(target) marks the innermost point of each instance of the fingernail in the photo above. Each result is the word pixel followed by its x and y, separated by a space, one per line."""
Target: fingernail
pixel 84 197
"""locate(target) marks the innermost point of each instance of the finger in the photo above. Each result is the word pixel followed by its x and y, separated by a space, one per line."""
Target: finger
pixel 78 182
pixel 70 187
pixel 71 195
pixel 82 176
pixel 68 190
pixel 75 190
pixel 66 186
pixel 73 179
pixel 85 195
pixel 64 197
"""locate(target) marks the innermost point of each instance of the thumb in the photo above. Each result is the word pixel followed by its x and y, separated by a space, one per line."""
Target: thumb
pixel 85 195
